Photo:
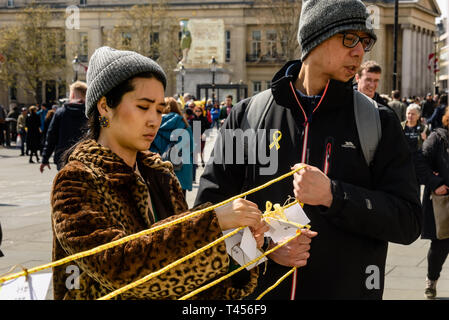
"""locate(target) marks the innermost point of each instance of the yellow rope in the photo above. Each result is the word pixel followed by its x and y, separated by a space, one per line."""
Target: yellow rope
pixel 168 267
pixel 277 283
pixel 273 215
pixel 191 294
pixel 142 233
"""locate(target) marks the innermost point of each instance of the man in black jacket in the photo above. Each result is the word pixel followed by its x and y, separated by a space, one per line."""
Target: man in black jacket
pixel 66 127
pixel 355 207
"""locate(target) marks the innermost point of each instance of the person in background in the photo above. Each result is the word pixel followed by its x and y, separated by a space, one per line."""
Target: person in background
pixel 415 132
pixel 48 119
pixel 215 115
pixel 428 107
pixel 13 115
pixel 368 78
pixel 33 125
pixel 201 120
pixel 398 106
pixel 225 109
pixel 66 127
pixel 433 171
pixel 21 130
pixel 2 125
pixel 435 121
pixel 172 120
pixel 42 113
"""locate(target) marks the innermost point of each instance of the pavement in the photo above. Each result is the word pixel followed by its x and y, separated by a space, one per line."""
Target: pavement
pixel 27 237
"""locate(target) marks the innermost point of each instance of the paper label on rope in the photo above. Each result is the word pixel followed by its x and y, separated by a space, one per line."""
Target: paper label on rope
pixel 280 231
pixel 20 289
pixel 242 247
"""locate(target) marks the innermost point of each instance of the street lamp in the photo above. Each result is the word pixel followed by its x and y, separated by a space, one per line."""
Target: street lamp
pixel 183 74
pixel 213 69
pixel 76 67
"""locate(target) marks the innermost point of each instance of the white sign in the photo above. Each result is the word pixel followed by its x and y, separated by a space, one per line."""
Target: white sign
pixel 208 39
pixel 20 289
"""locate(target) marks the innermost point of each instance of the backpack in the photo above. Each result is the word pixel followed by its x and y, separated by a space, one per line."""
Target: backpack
pixel 366 117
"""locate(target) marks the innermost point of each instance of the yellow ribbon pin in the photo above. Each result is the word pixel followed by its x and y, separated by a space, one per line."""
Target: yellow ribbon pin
pixel 277 136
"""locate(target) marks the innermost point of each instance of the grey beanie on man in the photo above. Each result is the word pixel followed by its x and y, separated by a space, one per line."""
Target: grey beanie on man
pixel 109 67
pixel 322 19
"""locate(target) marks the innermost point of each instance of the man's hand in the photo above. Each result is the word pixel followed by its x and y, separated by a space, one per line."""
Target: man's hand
pixel 442 190
pixel 43 165
pixel 296 252
pixel 311 186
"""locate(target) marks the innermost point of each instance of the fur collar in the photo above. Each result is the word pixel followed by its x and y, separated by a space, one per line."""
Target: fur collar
pixel 103 161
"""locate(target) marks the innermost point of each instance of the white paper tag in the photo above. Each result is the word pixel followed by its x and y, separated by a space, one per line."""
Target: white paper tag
pixel 242 247
pixel 280 231
pixel 296 214
pixel 19 289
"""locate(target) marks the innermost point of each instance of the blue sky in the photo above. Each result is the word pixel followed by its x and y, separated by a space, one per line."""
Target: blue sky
pixel 444 7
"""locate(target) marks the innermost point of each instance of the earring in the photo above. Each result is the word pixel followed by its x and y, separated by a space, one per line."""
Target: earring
pixel 104 122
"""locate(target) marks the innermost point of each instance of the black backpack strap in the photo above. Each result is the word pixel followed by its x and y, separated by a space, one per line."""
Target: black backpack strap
pixel 253 117
pixel 368 123
pixel 256 110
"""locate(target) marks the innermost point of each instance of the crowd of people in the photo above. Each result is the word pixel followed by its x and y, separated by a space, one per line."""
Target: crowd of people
pixel 114 179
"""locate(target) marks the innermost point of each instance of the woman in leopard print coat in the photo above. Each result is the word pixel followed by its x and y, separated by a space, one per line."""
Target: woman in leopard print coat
pixel 112 187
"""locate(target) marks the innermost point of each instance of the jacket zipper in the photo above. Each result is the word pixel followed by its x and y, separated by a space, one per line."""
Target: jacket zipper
pixel 304 159
pixel 327 156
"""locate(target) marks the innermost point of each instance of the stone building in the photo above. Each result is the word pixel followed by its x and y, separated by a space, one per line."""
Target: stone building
pixel 250 48
pixel 443 55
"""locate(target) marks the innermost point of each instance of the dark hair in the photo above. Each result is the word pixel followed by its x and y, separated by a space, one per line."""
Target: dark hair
pixel 443 100
pixel 173 106
pixel 396 94
pixel 113 99
pixel 370 66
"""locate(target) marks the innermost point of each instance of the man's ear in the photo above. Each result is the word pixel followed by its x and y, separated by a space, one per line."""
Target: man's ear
pixel 357 78
pixel 102 106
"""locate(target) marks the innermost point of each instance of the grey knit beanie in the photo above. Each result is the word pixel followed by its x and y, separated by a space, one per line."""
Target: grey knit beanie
pixel 322 19
pixel 109 67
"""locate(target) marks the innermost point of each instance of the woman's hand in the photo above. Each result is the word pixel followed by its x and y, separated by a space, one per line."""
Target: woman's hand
pixel 240 213
pixel 259 232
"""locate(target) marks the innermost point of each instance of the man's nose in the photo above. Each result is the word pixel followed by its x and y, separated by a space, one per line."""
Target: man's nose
pixel 358 50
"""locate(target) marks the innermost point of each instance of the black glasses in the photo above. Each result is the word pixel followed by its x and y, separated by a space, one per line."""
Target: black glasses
pixel 350 40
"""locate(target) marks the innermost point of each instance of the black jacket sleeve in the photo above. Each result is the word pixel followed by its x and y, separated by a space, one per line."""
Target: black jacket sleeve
pixel 51 139
pixel 427 163
pixel 390 210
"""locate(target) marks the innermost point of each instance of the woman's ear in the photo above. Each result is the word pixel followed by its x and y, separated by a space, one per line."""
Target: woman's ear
pixel 102 106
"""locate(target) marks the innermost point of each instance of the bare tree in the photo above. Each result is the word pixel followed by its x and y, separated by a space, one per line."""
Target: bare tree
pixel 283 15
pixel 34 52
pixel 148 30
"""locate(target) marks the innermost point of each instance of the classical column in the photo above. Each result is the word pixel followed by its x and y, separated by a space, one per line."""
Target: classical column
pixel 421 64
pixel 407 60
pixel 238 52
pixel 428 72
pixel 414 70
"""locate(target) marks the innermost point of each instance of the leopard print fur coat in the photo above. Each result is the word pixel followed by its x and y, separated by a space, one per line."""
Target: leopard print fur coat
pixel 97 198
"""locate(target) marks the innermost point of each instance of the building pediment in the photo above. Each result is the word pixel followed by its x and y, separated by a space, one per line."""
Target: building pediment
pixel 431 6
